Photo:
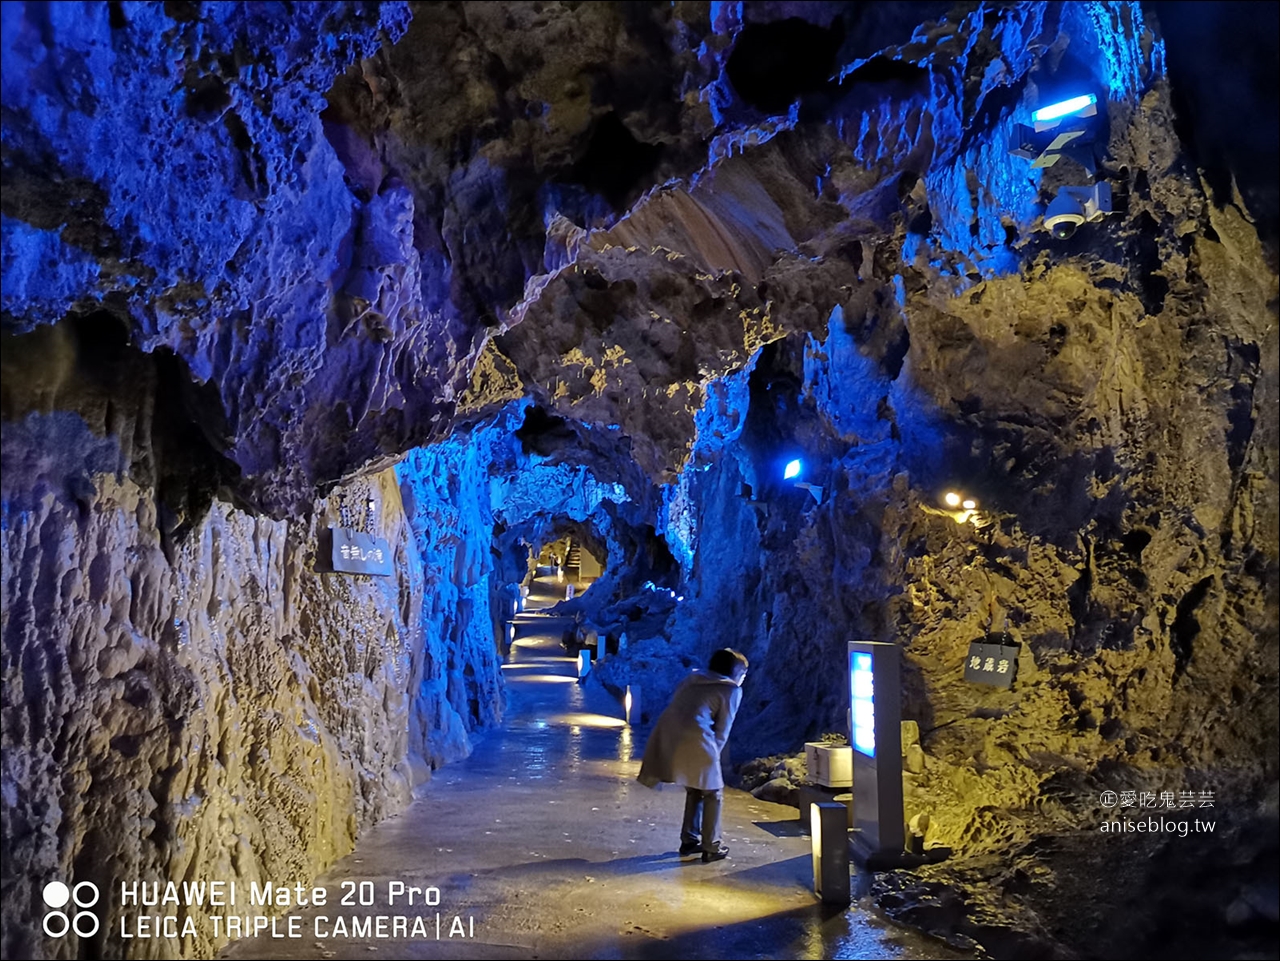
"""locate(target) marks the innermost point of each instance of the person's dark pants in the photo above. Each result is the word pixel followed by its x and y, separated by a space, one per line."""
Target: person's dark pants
pixel 702 818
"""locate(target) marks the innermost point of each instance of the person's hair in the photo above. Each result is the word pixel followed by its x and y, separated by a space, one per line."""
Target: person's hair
pixel 728 662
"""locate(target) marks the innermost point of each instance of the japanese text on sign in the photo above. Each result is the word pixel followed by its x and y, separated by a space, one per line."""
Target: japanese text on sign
pixel 992 660
pixel 355 552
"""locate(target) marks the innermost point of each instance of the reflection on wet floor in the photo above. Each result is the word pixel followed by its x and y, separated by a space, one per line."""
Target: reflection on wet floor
pixel 546 840
pixel 547 701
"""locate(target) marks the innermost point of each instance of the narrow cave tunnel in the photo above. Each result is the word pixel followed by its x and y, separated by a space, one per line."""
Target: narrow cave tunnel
pixel 427 427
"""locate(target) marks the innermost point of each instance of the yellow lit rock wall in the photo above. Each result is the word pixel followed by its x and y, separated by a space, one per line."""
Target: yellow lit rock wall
pixel 224 713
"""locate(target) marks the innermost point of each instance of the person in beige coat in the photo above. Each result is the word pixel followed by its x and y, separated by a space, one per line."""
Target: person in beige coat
pixel 685 746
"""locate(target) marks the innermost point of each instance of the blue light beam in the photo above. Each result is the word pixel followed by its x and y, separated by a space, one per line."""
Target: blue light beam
pixel 791 470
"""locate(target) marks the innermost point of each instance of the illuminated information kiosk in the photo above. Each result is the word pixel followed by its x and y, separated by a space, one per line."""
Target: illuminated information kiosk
pixel 875 729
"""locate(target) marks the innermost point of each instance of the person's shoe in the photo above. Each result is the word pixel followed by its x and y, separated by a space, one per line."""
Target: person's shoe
pixel 719 854
pixel 690 847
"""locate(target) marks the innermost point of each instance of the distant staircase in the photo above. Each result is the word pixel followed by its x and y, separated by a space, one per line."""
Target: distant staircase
pixel 573 562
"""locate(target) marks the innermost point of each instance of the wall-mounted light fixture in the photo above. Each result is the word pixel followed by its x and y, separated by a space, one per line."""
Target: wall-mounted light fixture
pixel 1052 115
pixel 813 489
pixel 1062 129
pixel 795 469
pixel 1084 105
pixel 961 507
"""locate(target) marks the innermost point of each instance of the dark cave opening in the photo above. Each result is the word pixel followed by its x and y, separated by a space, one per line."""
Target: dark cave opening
pixel 544 433
pixel 165 427
pixel 615 164
pixel 774 63
pixel 1227 116
pixel 1145 258
pixel 207 97
pixel 1186 626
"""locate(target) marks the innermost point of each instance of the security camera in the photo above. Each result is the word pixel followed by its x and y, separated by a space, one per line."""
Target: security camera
pixel 1073 206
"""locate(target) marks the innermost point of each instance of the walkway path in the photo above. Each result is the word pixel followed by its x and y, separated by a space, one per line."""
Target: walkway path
pixel 544 846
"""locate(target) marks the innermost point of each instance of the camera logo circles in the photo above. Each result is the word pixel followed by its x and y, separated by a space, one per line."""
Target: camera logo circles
pixel 81 897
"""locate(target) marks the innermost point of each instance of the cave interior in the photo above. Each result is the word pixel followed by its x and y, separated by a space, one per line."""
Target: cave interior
pixel 797 323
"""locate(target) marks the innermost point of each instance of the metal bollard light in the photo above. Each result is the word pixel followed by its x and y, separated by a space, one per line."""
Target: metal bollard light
pixel 631 703
pixel 829 826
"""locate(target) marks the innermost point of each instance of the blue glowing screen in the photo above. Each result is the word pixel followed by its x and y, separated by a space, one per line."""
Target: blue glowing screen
pixel 1063 108
pixel 862 683
pixel 792 470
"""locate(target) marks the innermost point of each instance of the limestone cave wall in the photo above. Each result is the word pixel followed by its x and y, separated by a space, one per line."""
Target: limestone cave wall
pixel 214 710
pixel 210 702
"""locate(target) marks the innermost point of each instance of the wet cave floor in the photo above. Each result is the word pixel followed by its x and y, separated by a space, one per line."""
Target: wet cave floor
pixel 543 845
